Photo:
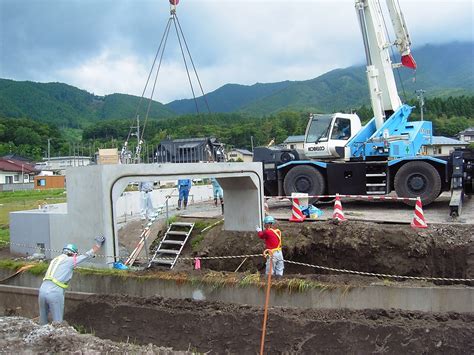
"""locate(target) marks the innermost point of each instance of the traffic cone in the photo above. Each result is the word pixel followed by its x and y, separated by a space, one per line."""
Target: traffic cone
pixel 296 214
pixel 418 217
pixel 338 214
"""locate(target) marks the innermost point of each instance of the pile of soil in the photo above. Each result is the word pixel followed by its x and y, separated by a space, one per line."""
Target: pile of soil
pixel 22 335
pixel 219 328
pixel 439 251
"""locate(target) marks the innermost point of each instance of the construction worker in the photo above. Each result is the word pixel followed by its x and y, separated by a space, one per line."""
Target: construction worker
pixel 272 237
pixel 184 185
pixel 217 191
pixel 57 277
pixel 146 205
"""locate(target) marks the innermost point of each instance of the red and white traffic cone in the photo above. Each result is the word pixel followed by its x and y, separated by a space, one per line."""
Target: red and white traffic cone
pixel 296 214
pixel 338 214
pixel 418 217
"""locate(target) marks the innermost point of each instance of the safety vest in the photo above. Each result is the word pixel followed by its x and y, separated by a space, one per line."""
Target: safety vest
pixel 278 234
pixel 52 269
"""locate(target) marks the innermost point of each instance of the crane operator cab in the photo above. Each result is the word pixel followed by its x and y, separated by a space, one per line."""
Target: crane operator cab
pixel 327 134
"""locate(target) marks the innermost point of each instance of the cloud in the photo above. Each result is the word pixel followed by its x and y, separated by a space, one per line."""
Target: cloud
pixel 107 46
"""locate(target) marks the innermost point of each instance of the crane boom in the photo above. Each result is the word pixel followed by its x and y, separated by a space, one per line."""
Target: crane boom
pixel 382 86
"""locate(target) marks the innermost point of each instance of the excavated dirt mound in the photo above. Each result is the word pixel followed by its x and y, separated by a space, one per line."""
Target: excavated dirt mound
pixel 22 335
pixel 439 251
pixel 219 328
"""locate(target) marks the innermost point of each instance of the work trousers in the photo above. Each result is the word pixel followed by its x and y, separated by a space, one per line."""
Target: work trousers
pixel 51 300
pixel 146 206
pixel 278 263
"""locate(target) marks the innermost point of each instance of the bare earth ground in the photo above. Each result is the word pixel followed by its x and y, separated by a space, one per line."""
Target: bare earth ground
pixel 22 335
pixel 218 328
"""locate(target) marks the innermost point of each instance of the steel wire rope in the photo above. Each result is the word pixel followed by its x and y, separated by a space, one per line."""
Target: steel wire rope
pixel 149 75
pixel 150 100
pixel 392 56
pixel 192 62
pixel 185 64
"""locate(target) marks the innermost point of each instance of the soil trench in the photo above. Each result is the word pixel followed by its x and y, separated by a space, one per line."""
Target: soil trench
pixel 219 328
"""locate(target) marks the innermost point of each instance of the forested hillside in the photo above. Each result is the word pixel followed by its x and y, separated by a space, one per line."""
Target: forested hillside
pixel 443 70
pixel 66 106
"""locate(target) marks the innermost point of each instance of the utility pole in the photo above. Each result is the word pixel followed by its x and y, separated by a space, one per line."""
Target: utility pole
pixel 421 100
pixel 49 149
pixel 251 142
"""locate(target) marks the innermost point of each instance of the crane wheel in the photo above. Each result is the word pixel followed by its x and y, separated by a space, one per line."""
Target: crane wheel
pixel 304 179
pixel 418 178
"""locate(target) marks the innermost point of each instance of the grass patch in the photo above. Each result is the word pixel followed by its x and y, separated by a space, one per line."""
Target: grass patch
pixel 195 242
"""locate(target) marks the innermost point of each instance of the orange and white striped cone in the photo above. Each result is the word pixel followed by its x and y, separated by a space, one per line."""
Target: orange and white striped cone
pixel 418 217
pixel 296 213
pixel 338 214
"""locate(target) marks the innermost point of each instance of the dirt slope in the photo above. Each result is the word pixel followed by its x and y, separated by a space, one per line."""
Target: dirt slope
pixel 223 328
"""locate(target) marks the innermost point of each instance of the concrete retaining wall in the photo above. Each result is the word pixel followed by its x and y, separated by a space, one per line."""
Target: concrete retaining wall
pixel 428 299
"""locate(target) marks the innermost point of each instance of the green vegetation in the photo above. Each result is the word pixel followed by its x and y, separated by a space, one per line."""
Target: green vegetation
pixel 24 200
pixel 78 122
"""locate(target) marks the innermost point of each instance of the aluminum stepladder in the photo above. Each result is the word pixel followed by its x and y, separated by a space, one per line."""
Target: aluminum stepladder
pixel 172 244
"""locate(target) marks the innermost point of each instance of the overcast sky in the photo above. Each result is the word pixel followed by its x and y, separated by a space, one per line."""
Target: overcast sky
pixel 108 46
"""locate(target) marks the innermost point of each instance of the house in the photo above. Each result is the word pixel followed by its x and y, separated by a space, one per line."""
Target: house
pixel 189 150
pixel 443 146
pixel 467 135
pixel 240 155
pixel 294 142
pixel 15 172
pixel 59 164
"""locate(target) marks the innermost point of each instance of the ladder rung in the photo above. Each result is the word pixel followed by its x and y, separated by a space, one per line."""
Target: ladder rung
pixel 381 184
pixel 177 242
pixel 375 175
pixel 176 233
pixel 182 224
pixel 375 192
pixel 168 251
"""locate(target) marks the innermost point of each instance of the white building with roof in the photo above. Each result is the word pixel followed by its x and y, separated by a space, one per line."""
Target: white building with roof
pixel 240 155
pixel 294 142
pixel 467 135
pixel 443 145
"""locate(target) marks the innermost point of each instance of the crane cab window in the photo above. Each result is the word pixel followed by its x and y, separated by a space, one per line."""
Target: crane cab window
pixel 341 129
pixel 318 128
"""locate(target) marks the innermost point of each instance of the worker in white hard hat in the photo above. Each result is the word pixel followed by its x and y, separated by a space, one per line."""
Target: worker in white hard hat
pixel 272 238
pixel 57 277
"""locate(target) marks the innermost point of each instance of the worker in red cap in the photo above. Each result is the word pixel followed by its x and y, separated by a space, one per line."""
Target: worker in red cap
pixel 272 238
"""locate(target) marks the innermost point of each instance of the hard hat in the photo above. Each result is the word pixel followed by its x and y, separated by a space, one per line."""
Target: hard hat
pixel 268 220
pixel 70 248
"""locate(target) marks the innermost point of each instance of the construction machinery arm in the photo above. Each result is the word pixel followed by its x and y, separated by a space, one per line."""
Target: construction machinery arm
pixel 383 90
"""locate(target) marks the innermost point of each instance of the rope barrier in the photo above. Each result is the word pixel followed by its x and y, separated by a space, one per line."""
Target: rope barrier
pixel 358 197
pixel 326 268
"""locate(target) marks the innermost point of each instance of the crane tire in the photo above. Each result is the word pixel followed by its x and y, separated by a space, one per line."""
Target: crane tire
pixel 304 179
pixel 418 178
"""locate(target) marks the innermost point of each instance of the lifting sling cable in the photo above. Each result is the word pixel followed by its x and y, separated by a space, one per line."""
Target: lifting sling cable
pixel 176 23
pixel 192 62
pixel 150 100
pixel 168 25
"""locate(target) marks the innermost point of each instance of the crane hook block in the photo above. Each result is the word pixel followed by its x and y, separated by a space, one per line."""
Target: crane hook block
pixel 408 61
pixel 174 2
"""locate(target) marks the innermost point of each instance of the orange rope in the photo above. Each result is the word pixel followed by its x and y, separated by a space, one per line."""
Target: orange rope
pixel 269 254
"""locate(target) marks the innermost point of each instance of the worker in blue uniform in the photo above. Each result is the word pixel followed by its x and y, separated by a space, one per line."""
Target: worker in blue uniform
pixel 57 277
pixel 184 186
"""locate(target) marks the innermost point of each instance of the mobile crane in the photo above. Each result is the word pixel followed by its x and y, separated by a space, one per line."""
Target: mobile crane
pixel 387 154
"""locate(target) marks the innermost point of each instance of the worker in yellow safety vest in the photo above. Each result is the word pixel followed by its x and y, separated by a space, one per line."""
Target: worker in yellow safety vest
pixel 57 277
pixel 272 238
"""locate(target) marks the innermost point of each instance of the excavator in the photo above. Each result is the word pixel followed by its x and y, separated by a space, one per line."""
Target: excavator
pixel 387 154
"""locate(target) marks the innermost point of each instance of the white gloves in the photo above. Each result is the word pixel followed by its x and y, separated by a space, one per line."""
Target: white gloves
pixel 100 240
pixel 258 229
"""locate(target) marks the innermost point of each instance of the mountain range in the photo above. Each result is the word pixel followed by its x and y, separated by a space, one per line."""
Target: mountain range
pixel 443 70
